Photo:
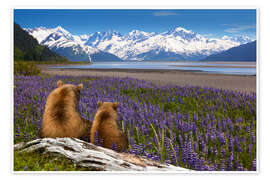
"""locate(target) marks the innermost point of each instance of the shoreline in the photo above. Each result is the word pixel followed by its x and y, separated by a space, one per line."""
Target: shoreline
pixel 241 83
pixel 215 66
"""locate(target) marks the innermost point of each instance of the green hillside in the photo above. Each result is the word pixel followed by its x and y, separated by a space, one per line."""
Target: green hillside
pixel 27 48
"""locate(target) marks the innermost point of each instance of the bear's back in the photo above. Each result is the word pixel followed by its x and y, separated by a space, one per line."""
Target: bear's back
pixel 105 123
pixel 61 104
pixel 61 118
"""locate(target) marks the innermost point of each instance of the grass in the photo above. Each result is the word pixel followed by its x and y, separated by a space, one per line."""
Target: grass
pixel 26 68
pixel 58 62
pixel 31 68
pixel 39 161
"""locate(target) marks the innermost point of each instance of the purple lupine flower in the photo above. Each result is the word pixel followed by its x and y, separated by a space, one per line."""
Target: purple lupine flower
pixel 187 116
pixel 230 162
pixel 230 125
pixel 249 148
pixel 25 168
pixel 222 165
pixel 214 167
pixel 223 152
pixel 240 168
pixel 253 138
pixel 240 120
pixel 238 165
pixel 230 143
pixel 237 144
pixel 195 117
pixel 221 138
pixel 248 130
pixel 224 124
pixel 96 138
pixel 254 165
pixel 114 147
pixel 218 124
pixel 185 152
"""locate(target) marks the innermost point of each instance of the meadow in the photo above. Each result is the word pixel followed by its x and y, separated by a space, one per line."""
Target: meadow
pixel 199 128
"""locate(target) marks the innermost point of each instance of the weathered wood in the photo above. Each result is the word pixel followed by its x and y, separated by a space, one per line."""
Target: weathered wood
pixel 89 155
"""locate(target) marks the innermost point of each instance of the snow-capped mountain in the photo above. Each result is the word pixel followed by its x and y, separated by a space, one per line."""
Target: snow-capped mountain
pixel 71 46
pixel 174 44
pixel 240 39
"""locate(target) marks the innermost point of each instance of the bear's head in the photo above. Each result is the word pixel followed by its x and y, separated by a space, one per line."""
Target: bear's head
pixel 107 105
pixel 69 90
pixel 110 107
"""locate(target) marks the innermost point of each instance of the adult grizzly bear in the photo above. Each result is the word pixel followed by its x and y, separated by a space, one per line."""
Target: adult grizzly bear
pixel 106 127
pixel 61 117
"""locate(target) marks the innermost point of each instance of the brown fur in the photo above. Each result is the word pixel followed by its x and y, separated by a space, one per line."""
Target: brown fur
pixel 61 117
pixel 106 126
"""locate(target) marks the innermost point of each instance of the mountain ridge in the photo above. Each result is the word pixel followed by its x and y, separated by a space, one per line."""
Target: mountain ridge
pixel 244 52
pixel 138 45
pixel 61 41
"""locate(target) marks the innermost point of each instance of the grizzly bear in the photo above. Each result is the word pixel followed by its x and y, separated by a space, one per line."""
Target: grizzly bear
pixel 61 117
pixel 106 127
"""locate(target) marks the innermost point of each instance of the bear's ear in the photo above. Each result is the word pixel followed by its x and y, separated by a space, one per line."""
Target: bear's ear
pixel 115 105
pixel 80 86
pixel 59 83
pixel 99 103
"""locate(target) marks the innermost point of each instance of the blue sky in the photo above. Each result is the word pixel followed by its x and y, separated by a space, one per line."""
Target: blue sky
pixel 208 22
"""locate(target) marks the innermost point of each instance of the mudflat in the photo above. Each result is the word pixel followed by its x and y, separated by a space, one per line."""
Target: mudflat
pixel 242 83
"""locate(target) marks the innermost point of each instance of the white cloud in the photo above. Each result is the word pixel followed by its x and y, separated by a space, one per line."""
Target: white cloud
pixel 210 35
pixel 237 28
pixel 165 13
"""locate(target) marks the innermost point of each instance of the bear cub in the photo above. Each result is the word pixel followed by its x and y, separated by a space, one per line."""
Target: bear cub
pixel 105 124
pixel 61 117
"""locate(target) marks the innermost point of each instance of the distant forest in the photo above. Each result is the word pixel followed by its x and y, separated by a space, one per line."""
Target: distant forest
pixel 27 48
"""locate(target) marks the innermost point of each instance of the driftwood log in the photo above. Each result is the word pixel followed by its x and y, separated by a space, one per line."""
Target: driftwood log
pixel 94 157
